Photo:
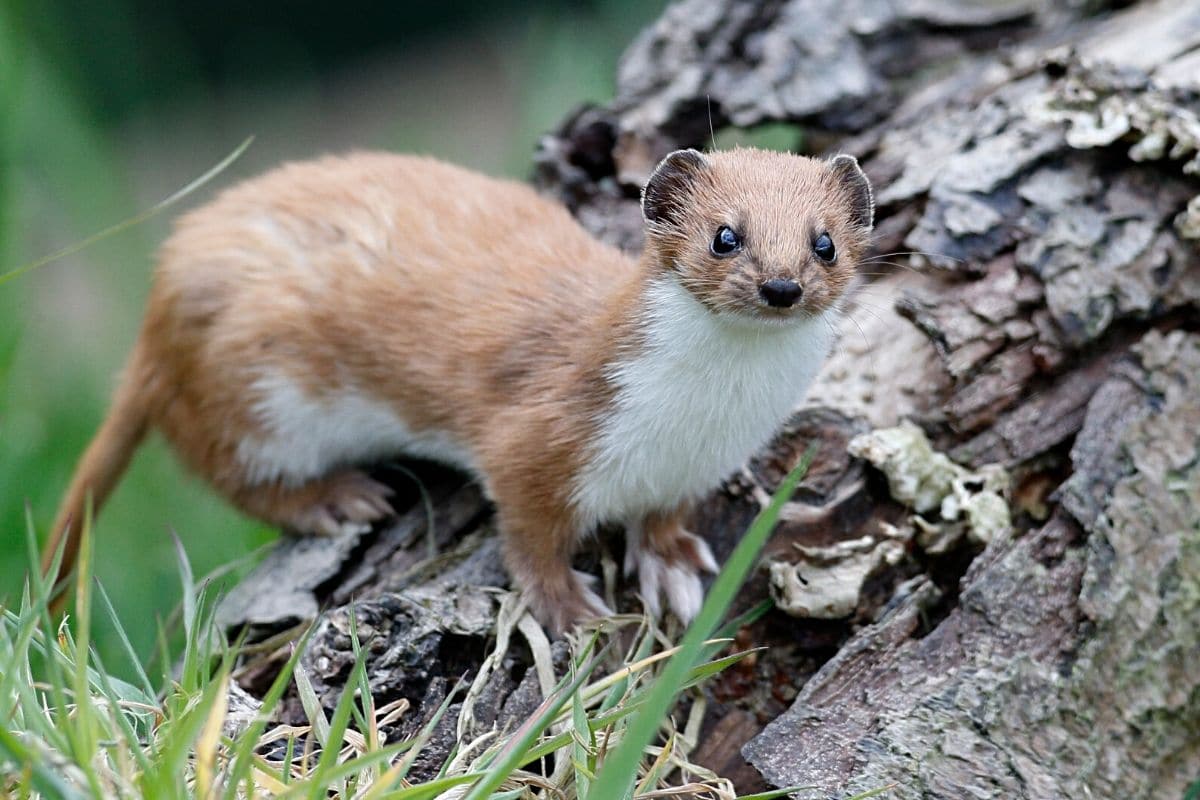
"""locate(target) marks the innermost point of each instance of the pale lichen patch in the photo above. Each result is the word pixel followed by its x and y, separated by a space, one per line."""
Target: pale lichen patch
pixel 967 501
pixel 826 582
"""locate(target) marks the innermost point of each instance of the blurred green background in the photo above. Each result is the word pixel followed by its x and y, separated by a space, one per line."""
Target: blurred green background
pixel 108 106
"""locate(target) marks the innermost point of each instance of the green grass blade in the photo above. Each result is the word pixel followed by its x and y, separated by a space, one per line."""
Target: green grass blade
pixel 108 690
pixel 583 748
pixel 188 579
pixel 432 789
pixel 337 729
pixel 132 221
pixel 84 725
pixel 45 779
pixel 173 745
pixel 701 673
pixel 311 705
pixel 641 651
pixel 41 584
pixel 42 595
pixel 516 752
pixel 650 782
pixel 511 794
pixel 126 645
pixel 427 733
pixel 364 710
pixel 619 770
pixel 18 679
pixel 730 629
pixel 288 755
pixel 16 674
pixel 321 783
pixel 596 723
pixel 243 760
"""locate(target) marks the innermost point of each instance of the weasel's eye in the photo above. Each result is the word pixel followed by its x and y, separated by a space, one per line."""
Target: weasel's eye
pixel 725 242
pixel 823 247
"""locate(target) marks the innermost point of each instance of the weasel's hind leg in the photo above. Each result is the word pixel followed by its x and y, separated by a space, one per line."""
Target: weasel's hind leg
pixel 668 560
pixel 342 502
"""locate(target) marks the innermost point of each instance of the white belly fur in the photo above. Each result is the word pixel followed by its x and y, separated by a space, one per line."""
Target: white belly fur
pixel 703 395
pixel 304 437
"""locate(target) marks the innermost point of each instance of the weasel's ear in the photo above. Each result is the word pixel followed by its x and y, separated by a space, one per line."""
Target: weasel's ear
pixel 666 191
pixel 849 175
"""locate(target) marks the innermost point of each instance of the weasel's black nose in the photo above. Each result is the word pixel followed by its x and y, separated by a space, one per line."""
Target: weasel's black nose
pixel 780 293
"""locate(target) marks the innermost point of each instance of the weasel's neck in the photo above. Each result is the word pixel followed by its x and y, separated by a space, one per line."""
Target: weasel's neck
pixel 672 334
pixel 651 314
pixel 694 394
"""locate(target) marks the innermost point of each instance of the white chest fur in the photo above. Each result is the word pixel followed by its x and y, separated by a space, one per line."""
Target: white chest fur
pixel 695 403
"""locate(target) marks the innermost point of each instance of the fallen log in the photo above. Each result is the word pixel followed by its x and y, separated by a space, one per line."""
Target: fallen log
pixel 1032 313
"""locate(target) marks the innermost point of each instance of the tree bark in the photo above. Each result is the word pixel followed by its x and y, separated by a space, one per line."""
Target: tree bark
pixel 1043 163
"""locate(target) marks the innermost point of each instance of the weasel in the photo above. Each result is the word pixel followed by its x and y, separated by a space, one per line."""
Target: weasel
pixel 331 314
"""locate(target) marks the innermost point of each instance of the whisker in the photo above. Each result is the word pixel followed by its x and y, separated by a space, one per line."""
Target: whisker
pixel 886 273
pixel 712 135
pixel 868 345
pixel 833 331
pixel 875 311
pixel 921 252
pixel 874 315
pixel 866 339
pixel 896 264
pixel 861 300
pixel 918 253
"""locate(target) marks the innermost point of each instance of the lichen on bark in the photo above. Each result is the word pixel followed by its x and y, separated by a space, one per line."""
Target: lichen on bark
pixel 1068 667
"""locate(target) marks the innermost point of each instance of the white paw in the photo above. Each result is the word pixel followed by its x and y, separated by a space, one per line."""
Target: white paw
pixel 704 556
pixel 677 579
pixel 679 584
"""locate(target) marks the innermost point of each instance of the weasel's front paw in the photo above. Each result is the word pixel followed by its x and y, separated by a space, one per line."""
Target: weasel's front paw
pixel 561 605
pixel 668 561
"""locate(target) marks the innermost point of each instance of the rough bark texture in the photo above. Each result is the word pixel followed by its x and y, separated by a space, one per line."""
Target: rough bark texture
pixel 1066 668
pixel 1044 162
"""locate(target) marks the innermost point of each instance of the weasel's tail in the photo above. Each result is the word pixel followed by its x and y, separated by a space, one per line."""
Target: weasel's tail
pixel 102 464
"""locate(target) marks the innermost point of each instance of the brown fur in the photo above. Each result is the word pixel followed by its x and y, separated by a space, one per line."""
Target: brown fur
pixel 468 305
pixel 779 204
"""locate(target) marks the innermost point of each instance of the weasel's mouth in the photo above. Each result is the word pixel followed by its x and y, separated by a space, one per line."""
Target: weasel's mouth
pixel 764 315
pixel 781 316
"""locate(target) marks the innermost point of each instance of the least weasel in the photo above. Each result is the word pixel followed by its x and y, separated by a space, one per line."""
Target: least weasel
pixel 335 313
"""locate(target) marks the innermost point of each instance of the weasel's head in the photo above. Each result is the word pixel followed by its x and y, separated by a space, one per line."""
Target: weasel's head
pixel 758 234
